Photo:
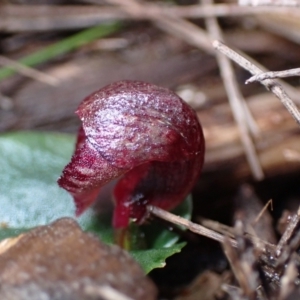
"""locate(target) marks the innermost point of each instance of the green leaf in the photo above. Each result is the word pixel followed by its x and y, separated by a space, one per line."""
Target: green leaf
pixel 62 47
pixel 155 258
pixel 30 164
pixel 9 232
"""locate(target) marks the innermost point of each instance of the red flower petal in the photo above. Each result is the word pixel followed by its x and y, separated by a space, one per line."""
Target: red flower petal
pixel 142 130
pixel 86 173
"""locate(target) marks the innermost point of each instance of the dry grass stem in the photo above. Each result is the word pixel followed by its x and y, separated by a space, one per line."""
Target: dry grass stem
pixel 29 72
pixel 269 203
pixel 105 292
pixel 234 292
pixel 236 100
pixel 270 84
pixel 270 2
pixel 178 27
pixel 82 16
pixel 273 75
pixel 242 267
pixel 109 44
pixel 251 124
pixel 290 230
pixel 291 90
pixel 250 120
pixel 291 155
pixel 196 228
pixel 223 10
pixel 6 103
pixel 201 230
pixel 9 242
pixel 217 226
pixel 288 279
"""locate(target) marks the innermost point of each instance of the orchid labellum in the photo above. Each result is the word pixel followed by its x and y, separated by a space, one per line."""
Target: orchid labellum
pixel 144 135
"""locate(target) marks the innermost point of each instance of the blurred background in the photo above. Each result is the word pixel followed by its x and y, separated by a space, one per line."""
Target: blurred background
pixel 54 53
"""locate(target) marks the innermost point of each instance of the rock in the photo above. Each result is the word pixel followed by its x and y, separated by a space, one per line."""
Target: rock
pixel 61 262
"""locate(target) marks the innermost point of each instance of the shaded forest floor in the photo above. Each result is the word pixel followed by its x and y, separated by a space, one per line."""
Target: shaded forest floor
pixel 252 142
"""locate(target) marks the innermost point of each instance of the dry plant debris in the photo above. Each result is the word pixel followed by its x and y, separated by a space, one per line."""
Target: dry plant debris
pixel 208 285
pixel 270 2
pixel 249 133
pixel 177 21
pixel 274 86
pixel 263 269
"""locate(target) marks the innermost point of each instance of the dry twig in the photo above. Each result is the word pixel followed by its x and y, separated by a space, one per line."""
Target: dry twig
pixel 105 292
pixel 201 230
pixel 252 260
pixel 288 279
pixel 270 84
pixel 292 155
pixel 196 228
pixel 217 226
pixel 269 203
pixel 236 100
pixel 187 31
pixel 58 17
pixel 290 230
pixel 270 2
pixel 273 75
pixel 29 72
pixel 243 263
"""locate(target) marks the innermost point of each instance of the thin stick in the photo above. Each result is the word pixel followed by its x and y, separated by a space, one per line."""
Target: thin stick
pixel 57 17
pixel 236 100
pixel 6 103
pixel 273 75
pixel 250 120
pixel 270 2
pixel 29 72
pixel 241 267
pixel 178 27
pixel 295 220
pixel 170 22
pixel 289 88
pixel 291 155
pixel 105 292
pixel 270 84
pixel 62 47
pixel 222 10
pixel 201 230
pixel 269 203
pixel 289 278
pixel 217 226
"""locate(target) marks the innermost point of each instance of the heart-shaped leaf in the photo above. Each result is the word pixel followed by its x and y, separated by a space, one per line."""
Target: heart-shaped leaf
pixel 30 164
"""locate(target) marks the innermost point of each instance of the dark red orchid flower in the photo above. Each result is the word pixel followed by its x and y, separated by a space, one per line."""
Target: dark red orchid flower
pixel 143 134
